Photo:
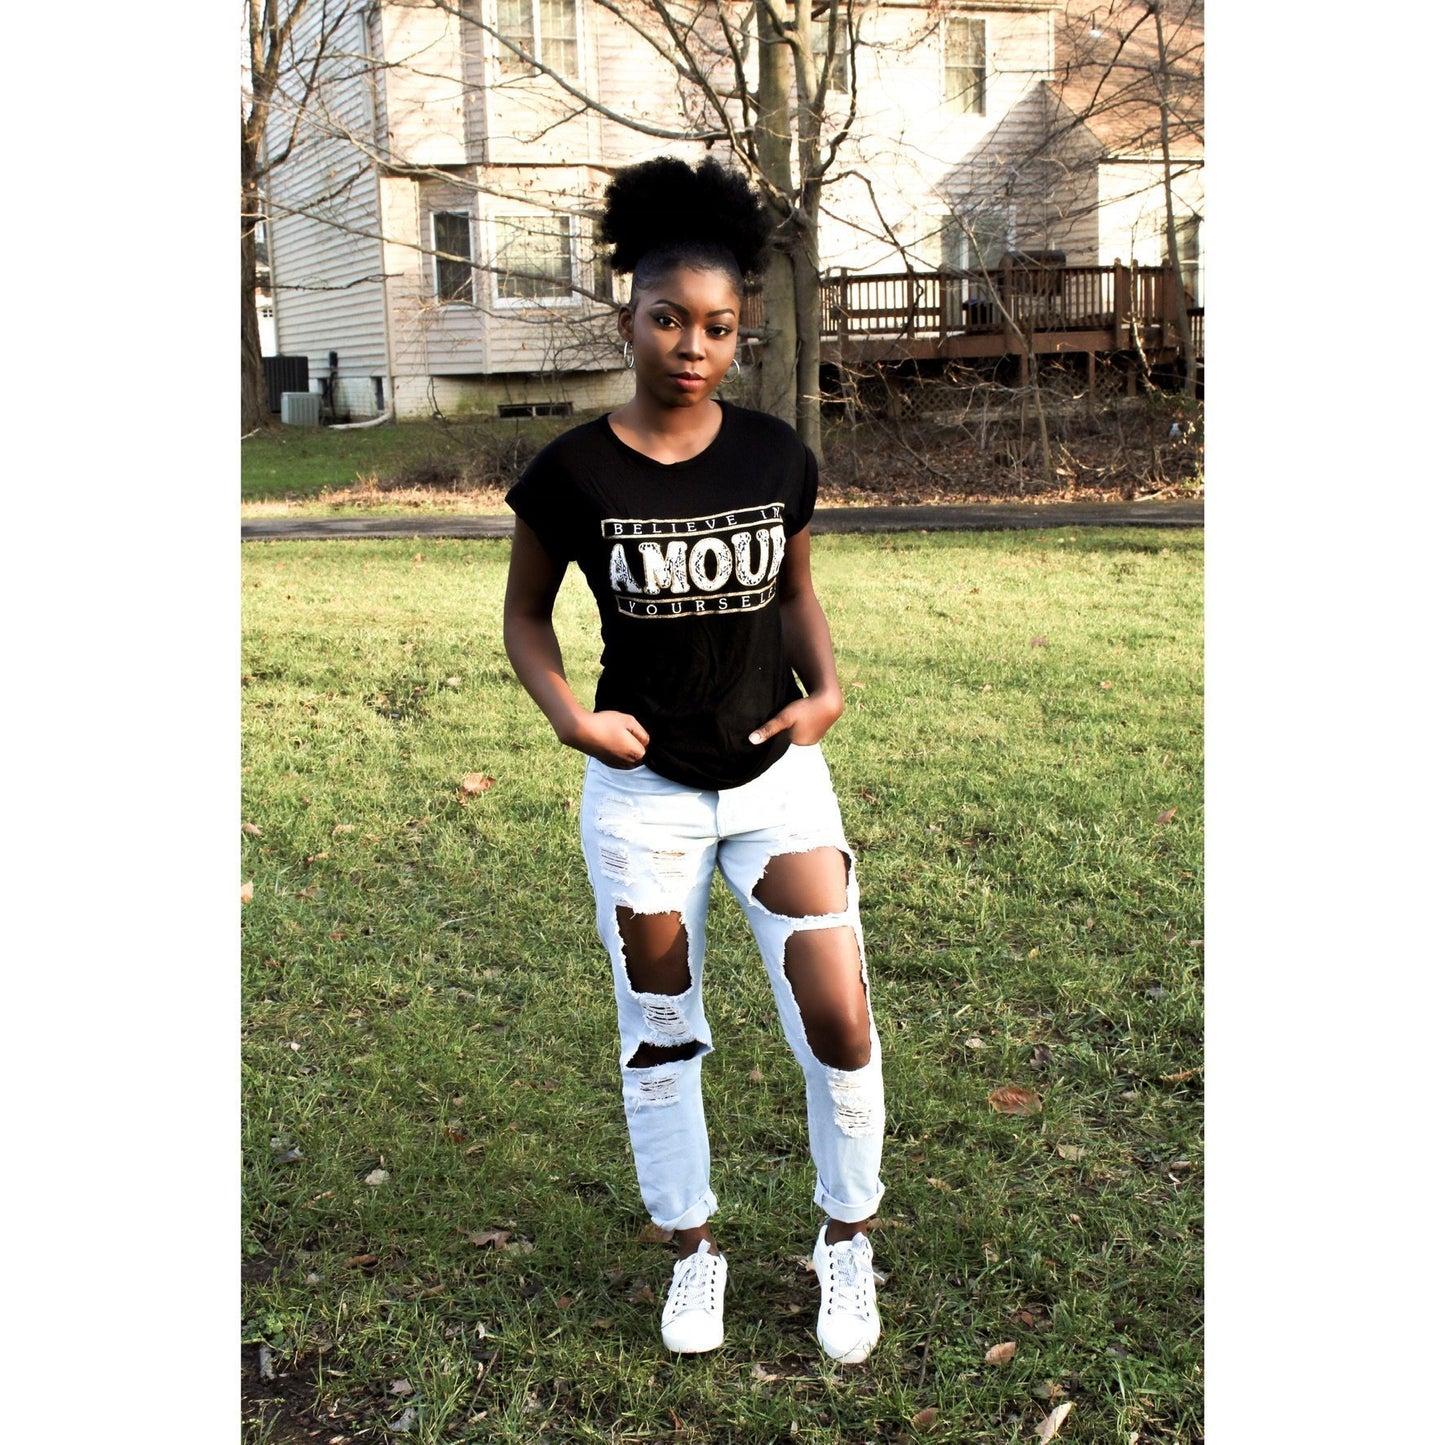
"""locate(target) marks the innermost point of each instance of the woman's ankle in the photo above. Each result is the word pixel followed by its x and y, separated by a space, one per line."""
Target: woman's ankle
pixel 838 1230
pixel 687 1240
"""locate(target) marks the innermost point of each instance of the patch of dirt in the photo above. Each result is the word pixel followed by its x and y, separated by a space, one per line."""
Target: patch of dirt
pixel 279 1410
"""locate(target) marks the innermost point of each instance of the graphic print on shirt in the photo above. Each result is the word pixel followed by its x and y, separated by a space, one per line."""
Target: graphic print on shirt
pixel 696 566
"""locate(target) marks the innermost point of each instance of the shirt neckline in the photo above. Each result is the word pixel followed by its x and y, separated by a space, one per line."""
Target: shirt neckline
pixel 644 460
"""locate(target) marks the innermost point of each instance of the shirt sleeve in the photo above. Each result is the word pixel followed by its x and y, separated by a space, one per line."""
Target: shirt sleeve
pixel 538 498
pixel 800 513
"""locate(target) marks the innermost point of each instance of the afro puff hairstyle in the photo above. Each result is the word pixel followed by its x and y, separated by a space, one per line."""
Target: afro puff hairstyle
pixel 662 213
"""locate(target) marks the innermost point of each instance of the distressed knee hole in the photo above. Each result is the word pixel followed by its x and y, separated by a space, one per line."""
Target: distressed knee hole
pixel 825 973
pixel 804 885
pixel 857 1101
pixel 648 1056
pixel 654 950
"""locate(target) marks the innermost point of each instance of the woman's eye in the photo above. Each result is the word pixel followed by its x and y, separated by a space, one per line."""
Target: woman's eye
pixel 721 331
pixel 664 321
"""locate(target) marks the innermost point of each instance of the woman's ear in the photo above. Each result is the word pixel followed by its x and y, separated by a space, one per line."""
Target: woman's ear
pixel 624 323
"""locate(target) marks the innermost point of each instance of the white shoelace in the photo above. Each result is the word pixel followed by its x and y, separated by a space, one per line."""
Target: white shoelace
pixel 852 1275
pixel 692 1284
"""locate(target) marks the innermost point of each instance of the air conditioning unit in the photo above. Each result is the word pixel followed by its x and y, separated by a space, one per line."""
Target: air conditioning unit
pixel 300 408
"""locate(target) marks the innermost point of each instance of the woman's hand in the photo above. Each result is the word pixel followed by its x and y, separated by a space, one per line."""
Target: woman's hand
pixel 805 721
pixel 614 738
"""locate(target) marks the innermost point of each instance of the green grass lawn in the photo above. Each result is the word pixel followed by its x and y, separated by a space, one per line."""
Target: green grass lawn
pixel 430 1052
pixel 302 463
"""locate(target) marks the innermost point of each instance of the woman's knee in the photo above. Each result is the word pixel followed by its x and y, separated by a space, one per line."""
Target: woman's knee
pixel 824 970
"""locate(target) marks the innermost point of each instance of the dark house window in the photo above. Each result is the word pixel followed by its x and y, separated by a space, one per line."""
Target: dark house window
pixel 452 241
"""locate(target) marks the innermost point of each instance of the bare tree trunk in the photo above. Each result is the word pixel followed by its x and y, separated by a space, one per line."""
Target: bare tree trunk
pixel 1181 302
pixel 1028 359
pixel 255 400
pixel 809 404
pixel 779 391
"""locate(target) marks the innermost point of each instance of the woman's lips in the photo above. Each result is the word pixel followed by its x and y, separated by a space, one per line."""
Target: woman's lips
pixel 689 381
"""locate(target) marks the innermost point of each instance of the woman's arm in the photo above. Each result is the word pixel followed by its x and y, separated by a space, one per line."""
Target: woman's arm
pixel 808 647
pixel 533 578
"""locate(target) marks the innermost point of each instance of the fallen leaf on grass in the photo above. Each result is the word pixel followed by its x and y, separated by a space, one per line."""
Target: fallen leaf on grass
pixel 376 1177
pixel 360 1261
pixel 651 1234
pixel 496 1238
pixel 402 1387
pixel 762 1376
pixel 247 889
pixel 252 829
pixel 974 1043
pixel 1167 816
pixel 1106 685
pixel 453 1136
pixel 403 1423
pixel 1000 1354
pixel 1038 642
pixel 755 1076
pixel 476 783
pixel 925 1420
pixel 641 1293
pixel 1049 1428
pixel 942 1184
pixel 1072 1152
pixel 1012 1100
pixel 454 682
pixel 341 828
pixel 1180 1077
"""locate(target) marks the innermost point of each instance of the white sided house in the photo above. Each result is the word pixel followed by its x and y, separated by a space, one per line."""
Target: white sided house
pixel 432 232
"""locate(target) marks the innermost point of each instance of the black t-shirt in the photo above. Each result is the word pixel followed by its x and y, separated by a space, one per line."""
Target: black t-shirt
pixel 683 559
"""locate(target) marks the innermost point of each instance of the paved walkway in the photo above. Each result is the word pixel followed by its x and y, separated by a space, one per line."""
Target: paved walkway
pixel 976 517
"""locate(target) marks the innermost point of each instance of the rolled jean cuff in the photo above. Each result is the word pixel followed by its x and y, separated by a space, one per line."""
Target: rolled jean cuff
pixel 847 1213
pixel 693 1215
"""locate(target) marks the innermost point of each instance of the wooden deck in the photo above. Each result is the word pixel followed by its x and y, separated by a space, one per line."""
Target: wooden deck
pixel 915 315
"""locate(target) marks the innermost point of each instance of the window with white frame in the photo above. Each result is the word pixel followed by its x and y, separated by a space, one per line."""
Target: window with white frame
pixel 546 29
pixel 977 241
pixel 964 65
pixel 533 257
pixel 1187 235
pixel 452 242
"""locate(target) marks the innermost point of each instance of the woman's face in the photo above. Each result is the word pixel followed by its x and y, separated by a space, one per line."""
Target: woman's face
pixel 684 334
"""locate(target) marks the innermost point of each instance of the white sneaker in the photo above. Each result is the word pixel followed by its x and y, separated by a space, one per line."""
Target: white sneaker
pixel 692 1318
pixel 848 1317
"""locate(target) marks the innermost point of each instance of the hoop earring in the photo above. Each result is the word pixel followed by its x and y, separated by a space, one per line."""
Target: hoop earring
pixel 628 359
pixel 736 363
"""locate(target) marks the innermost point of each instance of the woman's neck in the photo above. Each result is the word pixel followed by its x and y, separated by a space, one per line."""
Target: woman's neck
pixel 668 434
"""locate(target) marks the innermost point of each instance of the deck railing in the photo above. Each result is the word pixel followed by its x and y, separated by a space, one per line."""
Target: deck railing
pixel 924 304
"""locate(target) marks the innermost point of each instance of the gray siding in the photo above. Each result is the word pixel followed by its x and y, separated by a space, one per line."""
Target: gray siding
pixel 325 255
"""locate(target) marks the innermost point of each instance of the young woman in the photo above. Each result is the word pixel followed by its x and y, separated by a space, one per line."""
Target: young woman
pixel 689 518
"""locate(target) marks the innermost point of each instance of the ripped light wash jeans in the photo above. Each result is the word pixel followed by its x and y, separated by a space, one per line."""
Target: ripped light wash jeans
pixel 651 846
